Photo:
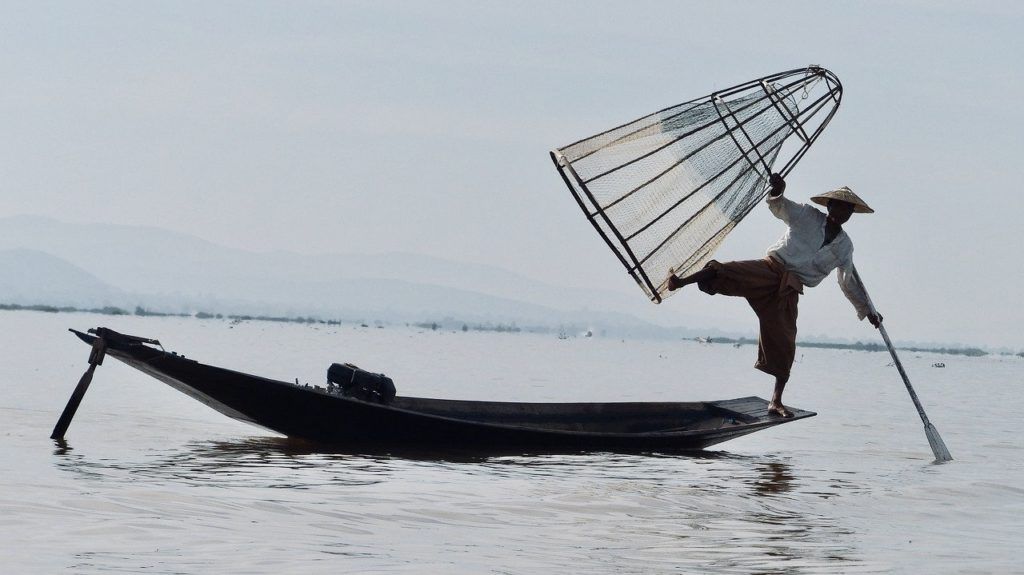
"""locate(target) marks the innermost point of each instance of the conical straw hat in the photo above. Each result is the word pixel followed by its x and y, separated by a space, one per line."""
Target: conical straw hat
pixel 844 194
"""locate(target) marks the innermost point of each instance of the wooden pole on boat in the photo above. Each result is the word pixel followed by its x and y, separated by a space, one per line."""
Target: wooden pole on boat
pixel 934 439
pixel 99 349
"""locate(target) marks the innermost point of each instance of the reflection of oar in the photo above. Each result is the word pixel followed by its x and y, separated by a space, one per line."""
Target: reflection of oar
pixel 938 447
pixel 99 348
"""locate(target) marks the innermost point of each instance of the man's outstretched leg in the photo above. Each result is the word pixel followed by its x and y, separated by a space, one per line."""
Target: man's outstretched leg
pixel 775 406
pixel 705 275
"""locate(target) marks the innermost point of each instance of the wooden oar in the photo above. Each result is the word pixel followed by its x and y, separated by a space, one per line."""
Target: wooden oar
pixel 934 440
pixel 99 348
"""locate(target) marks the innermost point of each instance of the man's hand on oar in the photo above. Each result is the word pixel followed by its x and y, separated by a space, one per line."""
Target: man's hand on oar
pixel 875 319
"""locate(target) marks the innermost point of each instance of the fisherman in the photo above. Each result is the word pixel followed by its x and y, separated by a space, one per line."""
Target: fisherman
pixel 813 246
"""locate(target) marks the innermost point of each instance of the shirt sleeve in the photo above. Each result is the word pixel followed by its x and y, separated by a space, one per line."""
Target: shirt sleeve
pixel 784 208
pixel 853 290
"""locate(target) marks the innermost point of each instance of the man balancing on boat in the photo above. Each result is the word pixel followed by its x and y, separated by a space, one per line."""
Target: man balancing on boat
pixel 813 246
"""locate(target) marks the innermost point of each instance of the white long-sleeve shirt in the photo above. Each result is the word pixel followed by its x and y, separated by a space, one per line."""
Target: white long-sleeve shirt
pixel 803 254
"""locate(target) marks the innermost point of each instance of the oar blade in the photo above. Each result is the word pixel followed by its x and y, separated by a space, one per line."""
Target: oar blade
pixel 73 402
pixel 938 446
pixel 99 350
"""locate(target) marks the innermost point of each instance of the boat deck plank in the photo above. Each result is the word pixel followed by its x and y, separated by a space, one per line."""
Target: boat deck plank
pixel 756 408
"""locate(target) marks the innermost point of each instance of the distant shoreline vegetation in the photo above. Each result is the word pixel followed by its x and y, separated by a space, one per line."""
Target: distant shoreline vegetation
pixel 858 346
pixel 455 325
pixel 447 324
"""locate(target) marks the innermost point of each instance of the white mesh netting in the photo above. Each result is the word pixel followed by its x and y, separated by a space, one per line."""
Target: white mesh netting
pixel 665 190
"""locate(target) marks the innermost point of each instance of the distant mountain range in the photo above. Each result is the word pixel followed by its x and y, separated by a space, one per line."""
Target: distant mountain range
pixel 30 276
pixel 45 261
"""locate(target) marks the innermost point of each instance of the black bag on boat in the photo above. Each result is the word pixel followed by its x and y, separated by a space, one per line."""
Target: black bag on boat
pixel 361 384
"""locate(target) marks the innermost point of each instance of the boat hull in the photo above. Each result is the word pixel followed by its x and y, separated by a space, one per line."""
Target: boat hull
pixel 316 414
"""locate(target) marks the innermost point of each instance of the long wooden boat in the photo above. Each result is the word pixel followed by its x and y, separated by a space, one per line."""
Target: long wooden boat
pixel 321 415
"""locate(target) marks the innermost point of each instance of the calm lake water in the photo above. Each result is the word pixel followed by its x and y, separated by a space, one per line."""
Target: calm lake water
pixel 152 481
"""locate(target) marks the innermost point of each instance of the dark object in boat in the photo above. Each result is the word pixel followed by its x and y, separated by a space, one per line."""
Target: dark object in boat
pixel 360 384
pixel 318 414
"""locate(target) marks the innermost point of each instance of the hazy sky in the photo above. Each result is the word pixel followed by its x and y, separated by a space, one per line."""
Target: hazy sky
pixel 424 127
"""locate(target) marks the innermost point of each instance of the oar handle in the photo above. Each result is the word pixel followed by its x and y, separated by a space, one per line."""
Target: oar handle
pixel 903 373
pixel 934 439
pixel 892 352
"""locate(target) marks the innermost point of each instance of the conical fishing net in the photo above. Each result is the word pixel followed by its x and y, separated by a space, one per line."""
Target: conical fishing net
pixel 665 190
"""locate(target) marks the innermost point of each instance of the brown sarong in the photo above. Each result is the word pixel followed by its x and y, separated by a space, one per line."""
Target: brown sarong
pixel 773 294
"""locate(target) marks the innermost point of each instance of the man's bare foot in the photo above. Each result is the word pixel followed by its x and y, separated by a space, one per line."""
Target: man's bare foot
pixel 674 282
pixel 779 410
